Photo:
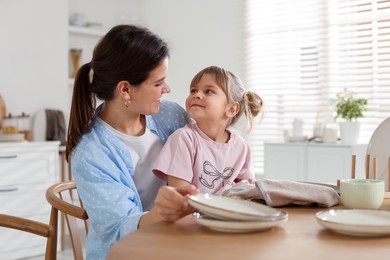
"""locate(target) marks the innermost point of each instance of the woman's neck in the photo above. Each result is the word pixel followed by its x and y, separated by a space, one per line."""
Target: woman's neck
pixel 123 120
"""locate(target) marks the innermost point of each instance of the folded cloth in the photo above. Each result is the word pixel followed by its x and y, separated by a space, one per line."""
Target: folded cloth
pixel 278 193
pixel 55 126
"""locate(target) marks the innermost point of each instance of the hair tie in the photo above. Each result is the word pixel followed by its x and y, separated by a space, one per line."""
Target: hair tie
pixel 91 73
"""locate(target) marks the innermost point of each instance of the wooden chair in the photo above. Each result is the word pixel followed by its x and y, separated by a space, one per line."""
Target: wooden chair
pixel 60 197
pixel 34 227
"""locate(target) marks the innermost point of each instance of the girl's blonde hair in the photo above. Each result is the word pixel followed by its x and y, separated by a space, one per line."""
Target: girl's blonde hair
pixel 249 102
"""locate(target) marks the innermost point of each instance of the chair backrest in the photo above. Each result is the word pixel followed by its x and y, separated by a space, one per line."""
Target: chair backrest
pixel 378 154
pixel 60 196
pixel 33 227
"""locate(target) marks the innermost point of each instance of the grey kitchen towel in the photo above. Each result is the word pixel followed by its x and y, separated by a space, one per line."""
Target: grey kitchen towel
pixel 276 193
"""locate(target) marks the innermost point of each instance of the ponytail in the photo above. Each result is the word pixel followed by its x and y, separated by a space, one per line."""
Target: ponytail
pixel 252 106
pixel 82 108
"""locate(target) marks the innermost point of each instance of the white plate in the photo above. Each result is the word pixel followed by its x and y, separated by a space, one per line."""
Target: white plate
pixel 11 137
pixel 378 147
pixel 228 208
pixel 232 226
pixel 356 222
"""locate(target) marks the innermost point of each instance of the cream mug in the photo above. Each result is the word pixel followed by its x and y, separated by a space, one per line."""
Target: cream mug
pixel 362 193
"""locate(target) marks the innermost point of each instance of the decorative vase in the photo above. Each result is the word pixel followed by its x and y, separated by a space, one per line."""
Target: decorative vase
pixel 75 55
pixel 3 110
pixel 349 132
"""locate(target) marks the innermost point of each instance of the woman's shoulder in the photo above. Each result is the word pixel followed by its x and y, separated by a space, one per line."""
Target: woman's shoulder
pixel 170 117
pixel 98 141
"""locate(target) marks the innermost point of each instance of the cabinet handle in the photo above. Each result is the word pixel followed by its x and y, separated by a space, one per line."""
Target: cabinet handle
pixel 8 189
pixel 8 156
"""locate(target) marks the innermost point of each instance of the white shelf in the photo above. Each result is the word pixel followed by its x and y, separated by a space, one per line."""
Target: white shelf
pixel 85 31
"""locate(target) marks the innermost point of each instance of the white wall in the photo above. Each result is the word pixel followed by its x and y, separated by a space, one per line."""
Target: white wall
pixel 107 12
pixel 33 54
pixel 34 43
pixel 201 33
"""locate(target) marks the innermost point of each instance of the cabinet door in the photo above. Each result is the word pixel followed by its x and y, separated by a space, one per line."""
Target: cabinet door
pixel 327 164
pixel 24 179
pixel 285 161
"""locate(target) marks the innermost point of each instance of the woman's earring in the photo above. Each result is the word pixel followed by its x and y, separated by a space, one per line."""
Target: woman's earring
pixel 127 102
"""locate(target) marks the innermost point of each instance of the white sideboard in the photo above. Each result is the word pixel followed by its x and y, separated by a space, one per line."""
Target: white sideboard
pixel 313 162
pixel 27 169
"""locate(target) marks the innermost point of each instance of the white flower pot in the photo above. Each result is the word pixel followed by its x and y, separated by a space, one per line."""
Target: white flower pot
pixel 349 132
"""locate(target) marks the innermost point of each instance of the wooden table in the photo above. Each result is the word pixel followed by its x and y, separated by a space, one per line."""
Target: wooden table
pixel 300 238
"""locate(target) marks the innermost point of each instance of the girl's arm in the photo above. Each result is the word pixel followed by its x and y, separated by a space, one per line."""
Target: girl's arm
pixel 176 182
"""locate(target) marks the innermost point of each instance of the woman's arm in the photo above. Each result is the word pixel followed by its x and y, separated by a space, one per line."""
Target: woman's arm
pixel 170 205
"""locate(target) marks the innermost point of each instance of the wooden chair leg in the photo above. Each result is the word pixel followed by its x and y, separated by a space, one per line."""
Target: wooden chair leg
pixel 375 168
pixel 353 166
pixel 388 174
pixel 367 166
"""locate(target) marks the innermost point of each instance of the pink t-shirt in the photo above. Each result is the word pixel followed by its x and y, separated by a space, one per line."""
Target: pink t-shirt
pixel 212 167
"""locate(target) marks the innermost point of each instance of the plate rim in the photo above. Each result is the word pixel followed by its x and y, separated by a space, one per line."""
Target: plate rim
pixel 354 229
pixel 235 226
pixel 245 216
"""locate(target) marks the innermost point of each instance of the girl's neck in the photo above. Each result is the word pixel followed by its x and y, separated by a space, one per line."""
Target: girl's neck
pixel 216 133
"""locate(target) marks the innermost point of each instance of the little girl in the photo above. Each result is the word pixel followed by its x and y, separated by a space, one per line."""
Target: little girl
pixel 206 153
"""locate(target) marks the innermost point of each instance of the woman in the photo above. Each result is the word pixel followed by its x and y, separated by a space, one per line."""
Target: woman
pixel 114 148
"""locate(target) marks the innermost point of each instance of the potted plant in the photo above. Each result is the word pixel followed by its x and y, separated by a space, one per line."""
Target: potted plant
pixel 349 108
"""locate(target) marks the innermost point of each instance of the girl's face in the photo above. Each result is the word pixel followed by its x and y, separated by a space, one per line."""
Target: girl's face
pixel 207 102
pixel 146 98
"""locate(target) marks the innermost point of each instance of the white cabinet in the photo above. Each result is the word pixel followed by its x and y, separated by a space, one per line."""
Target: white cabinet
pixel 285 161
pixel 26 171
pixel 312 162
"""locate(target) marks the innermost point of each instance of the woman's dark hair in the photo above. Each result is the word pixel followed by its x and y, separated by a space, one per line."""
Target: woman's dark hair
pixel 126 52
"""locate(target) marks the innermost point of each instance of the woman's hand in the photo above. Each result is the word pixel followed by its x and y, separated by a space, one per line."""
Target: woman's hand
pixel 171 204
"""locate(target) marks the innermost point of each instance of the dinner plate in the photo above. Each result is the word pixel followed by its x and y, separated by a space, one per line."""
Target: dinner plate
pixel 11 137
pixel 232 226
pixel 356 222
pixel 378 147
pixel 235 209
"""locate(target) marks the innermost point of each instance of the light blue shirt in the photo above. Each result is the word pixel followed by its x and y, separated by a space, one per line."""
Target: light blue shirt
pixel 103 170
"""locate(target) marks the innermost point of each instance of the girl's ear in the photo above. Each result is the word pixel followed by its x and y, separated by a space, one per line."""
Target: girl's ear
pixel 124 88
pixel 233 109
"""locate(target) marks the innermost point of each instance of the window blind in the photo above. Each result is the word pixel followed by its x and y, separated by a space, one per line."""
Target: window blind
pixel 299 54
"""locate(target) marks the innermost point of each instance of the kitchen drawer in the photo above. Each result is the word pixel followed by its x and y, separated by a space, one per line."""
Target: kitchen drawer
pixel 25 201
pixel 26 168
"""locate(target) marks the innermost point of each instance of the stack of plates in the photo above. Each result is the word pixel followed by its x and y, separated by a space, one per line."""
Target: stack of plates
pixel 234 215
